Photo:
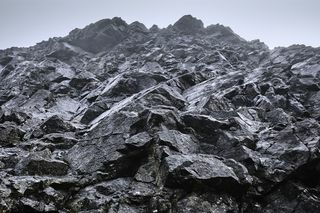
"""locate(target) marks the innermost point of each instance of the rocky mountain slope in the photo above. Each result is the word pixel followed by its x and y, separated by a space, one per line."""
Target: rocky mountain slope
pixel 116 117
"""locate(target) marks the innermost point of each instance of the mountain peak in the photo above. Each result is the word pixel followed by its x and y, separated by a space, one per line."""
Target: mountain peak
pixel 188 24
pixel 138 27
pixel 99 36
pixel 157 121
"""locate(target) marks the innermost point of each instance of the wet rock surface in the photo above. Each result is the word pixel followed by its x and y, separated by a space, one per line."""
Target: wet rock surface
pixel 117 117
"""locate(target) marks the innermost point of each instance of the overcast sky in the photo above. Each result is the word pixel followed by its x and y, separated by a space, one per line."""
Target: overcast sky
pixel 276 22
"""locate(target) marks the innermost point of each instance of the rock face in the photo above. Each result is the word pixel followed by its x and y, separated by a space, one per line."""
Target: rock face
pixel 117 117
pixel 102 35
pixel 188 25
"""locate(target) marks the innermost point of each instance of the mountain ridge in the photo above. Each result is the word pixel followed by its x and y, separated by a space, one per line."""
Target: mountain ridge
pixel 116 117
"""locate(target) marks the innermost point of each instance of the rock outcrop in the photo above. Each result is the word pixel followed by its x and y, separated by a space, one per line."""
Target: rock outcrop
pixel 117 117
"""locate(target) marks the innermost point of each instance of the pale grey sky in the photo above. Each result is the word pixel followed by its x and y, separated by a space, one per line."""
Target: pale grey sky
pixel 276 22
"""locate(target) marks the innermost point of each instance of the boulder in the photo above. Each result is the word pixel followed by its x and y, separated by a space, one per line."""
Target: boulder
pixel 204 124
pixel 17 117
pixel 94 111
pixel 10 134
pixel 138 141
pixel 179 142
pixel 199 171
pixel 41 164
pixel 60 140
pixel 55 124
pixel 81 80
pixel 106 150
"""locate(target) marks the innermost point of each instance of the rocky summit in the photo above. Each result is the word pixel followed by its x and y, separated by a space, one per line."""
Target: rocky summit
pixel 120 118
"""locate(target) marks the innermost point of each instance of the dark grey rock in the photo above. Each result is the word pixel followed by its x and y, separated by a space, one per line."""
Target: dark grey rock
pixel 137 27
pixel 103 35
pixel 206 203
pixel 220 31
pixel 35 165
pixel 154 29
pixel 60 140
pixel 205 124
pixel 10 134
pixel 62 54
pixel 178 141
pixel 201 171
pixel 81 80
pixel 116 117
pixel 56 125
pixel 5 60
pixel 16 117
pixel 189 25
pixel 139 140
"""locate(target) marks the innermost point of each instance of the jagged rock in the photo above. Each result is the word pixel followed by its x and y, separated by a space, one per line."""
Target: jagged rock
pixel 284 153
pixel 64 54
pixel 138 27
pixel 132 83
pixel 86 199
pixel 147 173
pixel 107 152
pixel 220 31
pixel 102 35
pixel 138 141
pixel 38 165
pixel 290 198
pixel 207 202
pixel 204 124
pixel 314 105
pixel 97 155
pixel 309 83
pixel 17 117
pixel 82 80
pixel 307 132
pixel 158 119
pixel 154 29
pixel 278 118
pixel 200 171
pixel 121 118
pixel 56 125
pixel 94 111
pixel 5 96
pixel 9 157
pixel 10 134
pixel 164 95
pixel 242 100
pixel 189 25
pixel 5 72
pixel 60 140
pixel 109 192
pixel 5 60
pixel 178 141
